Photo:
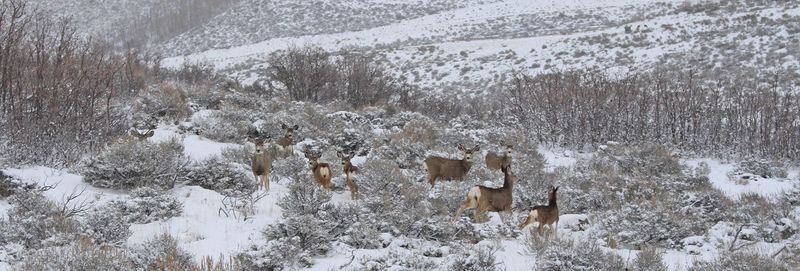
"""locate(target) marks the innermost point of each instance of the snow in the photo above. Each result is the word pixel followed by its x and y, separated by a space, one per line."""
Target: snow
pixel 719 177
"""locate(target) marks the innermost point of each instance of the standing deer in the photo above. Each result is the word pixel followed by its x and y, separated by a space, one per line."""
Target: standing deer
pixel 489 199
pixel 445 168
pixel 544 214
pixel 142 136
pixel 321 171
pixel 286 143
pixel 262 160
pixel 350 171
pixel 496 161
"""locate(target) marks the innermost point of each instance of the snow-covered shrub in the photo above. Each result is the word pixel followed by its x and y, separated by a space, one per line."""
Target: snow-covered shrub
pixel 649 259
pixel 288 244
pixel 762 167
pixel 303 198
pixel 225 126
pixel 407 154
pixel 641 160
pixel 224 177
pixel 397 259
pixel 568 255
pixel 36 222
pixel 740 261
pixel 165 101
pixel 312 233
pixel 280 254
pixel 160 253
pixel 131 164
pixel 242 155
pixel 663 221
pixel 392 197
pixel 82 255
pixel 362 235
pixel 476 258
pixel 294 168
pixel 147 205
pixel 106 225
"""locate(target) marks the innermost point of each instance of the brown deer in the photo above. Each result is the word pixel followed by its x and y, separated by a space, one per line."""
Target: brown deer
pixel 142 136
pixel 445 168
pixel 262 160
pixel 349 171
pixel 496 161
pixel 544 214
pixel 321 171
pixel 489 199
pixel 286 143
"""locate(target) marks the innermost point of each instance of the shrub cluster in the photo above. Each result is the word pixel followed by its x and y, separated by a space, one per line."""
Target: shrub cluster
pixel 132 164
pixel 147 205
pixel 224 177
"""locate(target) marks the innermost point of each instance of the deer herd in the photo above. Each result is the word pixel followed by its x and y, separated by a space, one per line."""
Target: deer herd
pixel 481 198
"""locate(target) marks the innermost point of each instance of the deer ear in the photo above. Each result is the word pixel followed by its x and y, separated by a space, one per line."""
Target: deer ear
pixel 283 126
pixel 476 148
pixel 461 147
pixel 339 154
pixel 150 133
pixel 296 127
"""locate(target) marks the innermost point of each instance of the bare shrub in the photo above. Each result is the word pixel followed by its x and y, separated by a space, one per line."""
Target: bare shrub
pixel 305 74
pixel 36 222
pixel 76 101
pixel 763 168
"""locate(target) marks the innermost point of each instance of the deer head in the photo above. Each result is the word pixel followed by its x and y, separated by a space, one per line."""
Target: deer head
pixel 313 159
pixel 345 158
pixel 260 142
pixel 289 131
pixel 509 149
pixel 468 153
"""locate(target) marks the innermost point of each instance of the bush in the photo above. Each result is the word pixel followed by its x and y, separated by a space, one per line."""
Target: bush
pixel 289 244
pixel 165 101
pixel 81 256
pixel 397 259
pixel 161 253
pixel 568 255
pixel 477 258
pixel 763 168
pixel 106 225
pixel 132 164
pixel 740 261
pixel 225 126
pixel 224 177
pixel 294 168
pixel 649 259
pixel 36 222
pixel 303 198
pixel 147 205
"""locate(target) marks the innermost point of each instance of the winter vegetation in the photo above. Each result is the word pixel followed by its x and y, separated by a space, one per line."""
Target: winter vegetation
pixel 399 135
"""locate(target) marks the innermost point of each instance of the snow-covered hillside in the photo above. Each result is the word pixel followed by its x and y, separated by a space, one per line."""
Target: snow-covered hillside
pixel 477 46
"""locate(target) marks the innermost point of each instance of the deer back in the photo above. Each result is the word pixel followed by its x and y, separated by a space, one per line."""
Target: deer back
pixel 446 167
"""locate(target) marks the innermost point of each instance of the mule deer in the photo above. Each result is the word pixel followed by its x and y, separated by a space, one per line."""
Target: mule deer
pixel 445 168
pixel 489 199
pixel 286 143
pixel 349 171
pixel 321 171
pixel 496 161
pixel 262 161
pixel 544 214
pixel 142 136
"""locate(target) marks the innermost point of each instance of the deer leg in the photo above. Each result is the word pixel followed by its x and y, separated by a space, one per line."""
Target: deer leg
pixel 431 180
pixel 258 180
pixel 353 188
pixel 265 182
pixel 469 203
pixel 540 229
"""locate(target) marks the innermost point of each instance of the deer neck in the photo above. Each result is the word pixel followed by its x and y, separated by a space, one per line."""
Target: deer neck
pixel 553 201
